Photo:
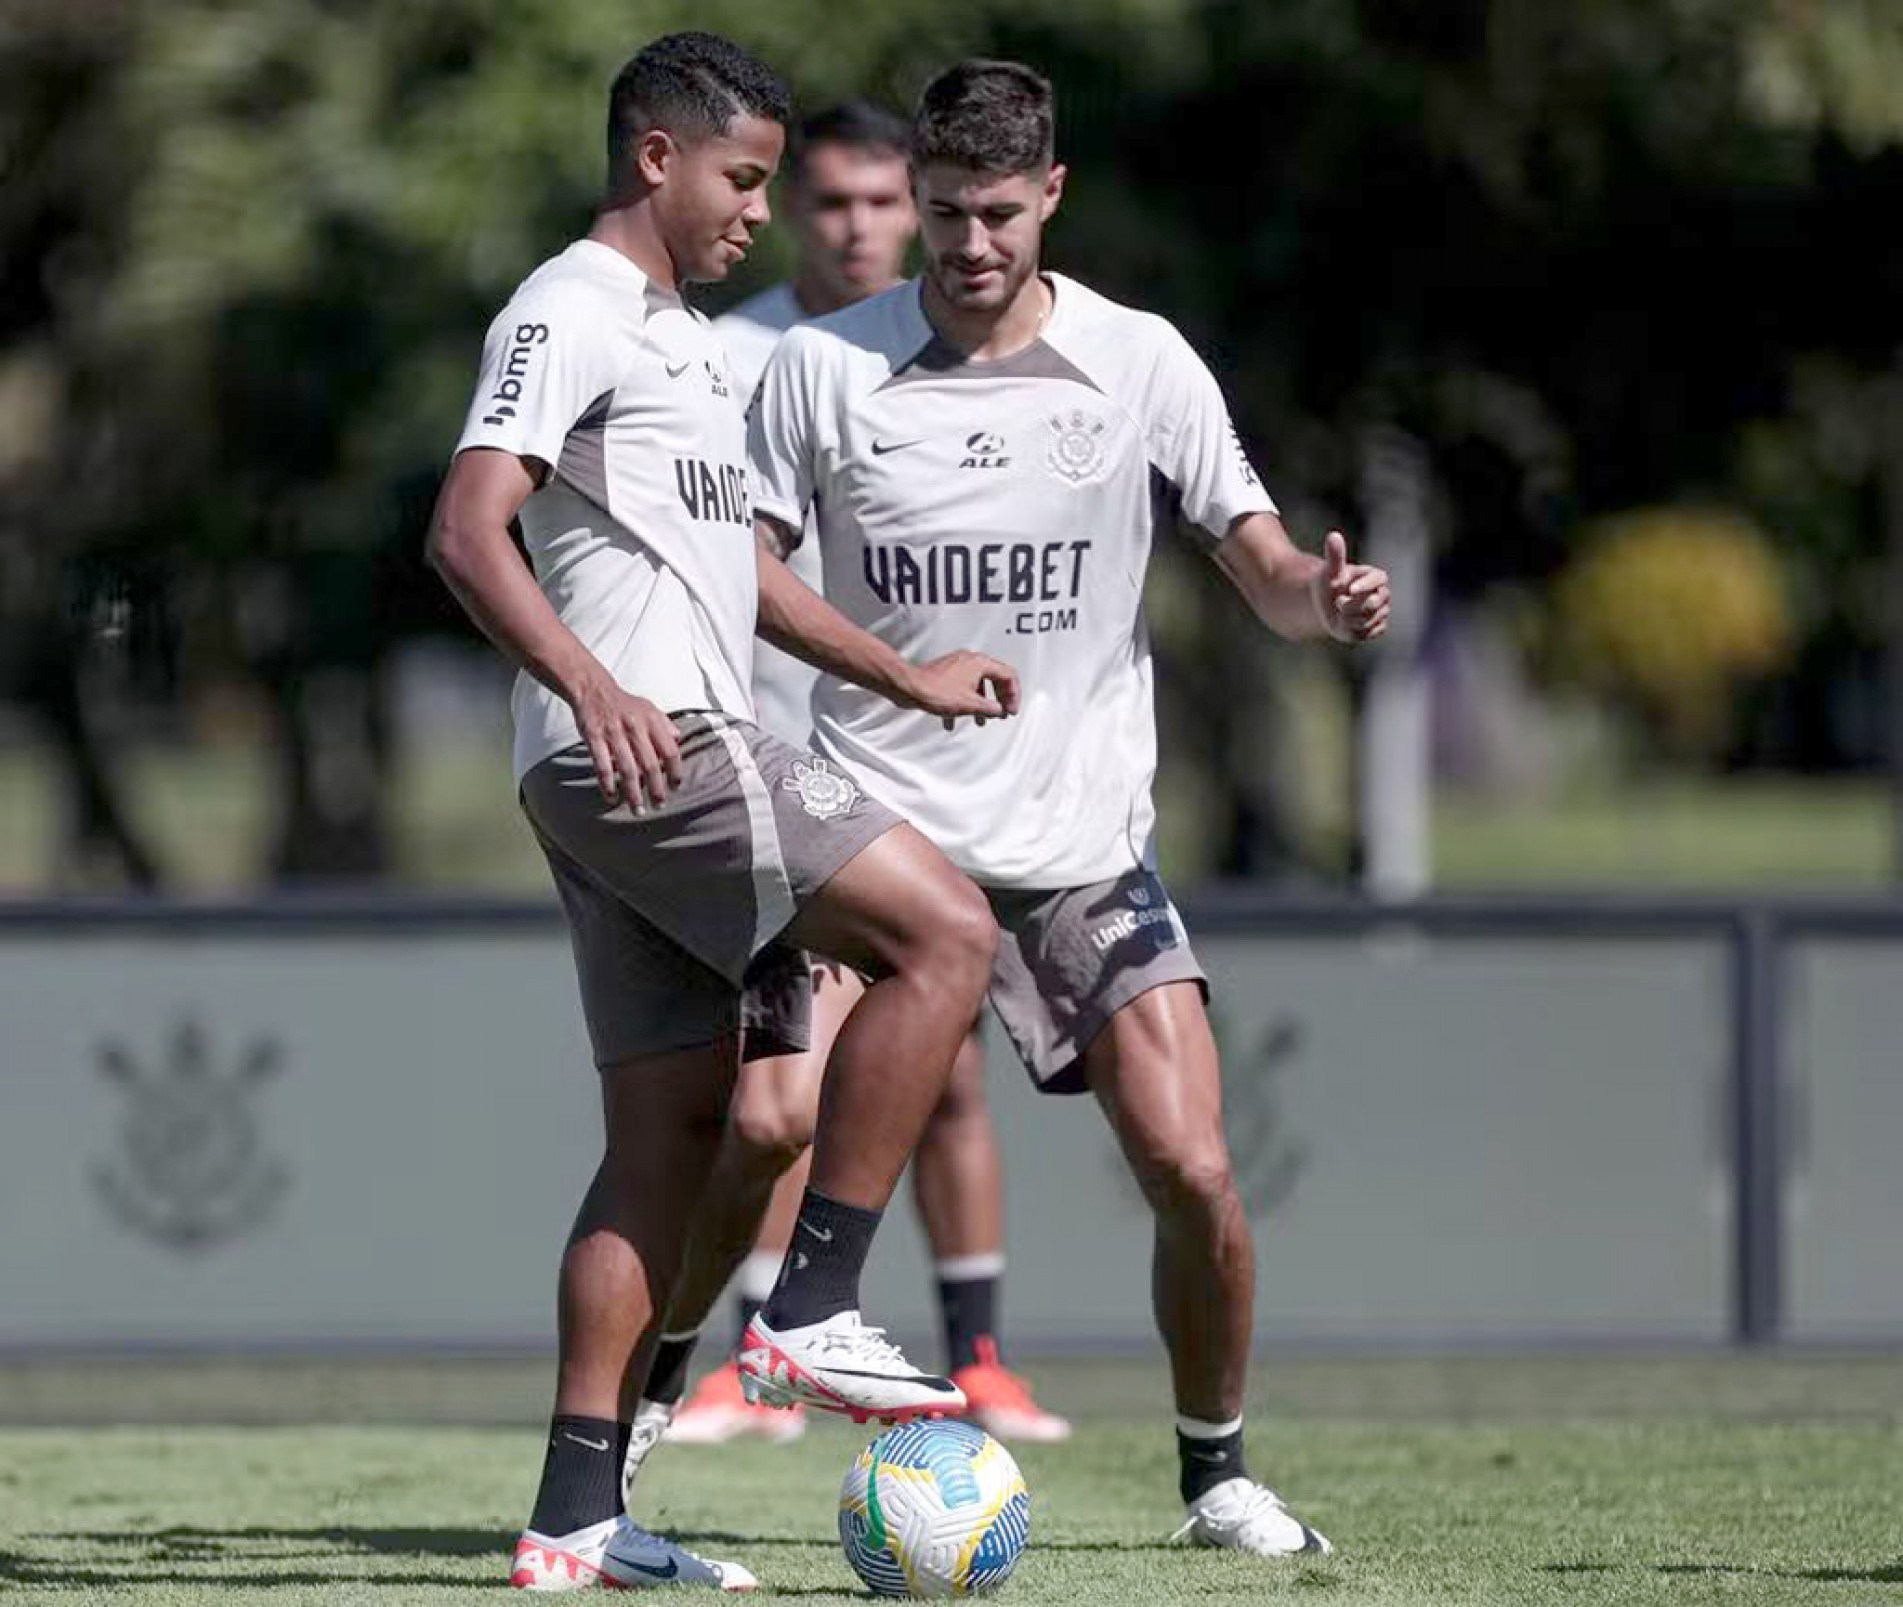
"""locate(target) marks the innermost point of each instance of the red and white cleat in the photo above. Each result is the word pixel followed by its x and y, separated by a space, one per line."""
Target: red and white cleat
pixel 619 1554
pixel 1000 1402
pixel 840 1365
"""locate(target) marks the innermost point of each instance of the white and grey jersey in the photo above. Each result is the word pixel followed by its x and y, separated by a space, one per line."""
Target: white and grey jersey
pixel 641 535
pixel 782 684
pixel 1009 507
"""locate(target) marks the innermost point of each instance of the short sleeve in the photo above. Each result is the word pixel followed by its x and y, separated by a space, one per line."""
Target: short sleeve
pixel 545 363
pixel 1194 444
pixel 782 441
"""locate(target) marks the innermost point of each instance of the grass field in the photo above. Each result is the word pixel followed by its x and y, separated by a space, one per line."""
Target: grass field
pixel 1496 1480
pixel 206 812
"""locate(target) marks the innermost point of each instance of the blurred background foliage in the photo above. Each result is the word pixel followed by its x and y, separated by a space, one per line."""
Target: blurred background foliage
pixel 1627 271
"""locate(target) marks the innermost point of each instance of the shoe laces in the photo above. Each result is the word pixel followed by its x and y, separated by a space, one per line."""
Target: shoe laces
pixel 630 1530
pixel 1257 1503
pixel 863 1343
pixel 646 1431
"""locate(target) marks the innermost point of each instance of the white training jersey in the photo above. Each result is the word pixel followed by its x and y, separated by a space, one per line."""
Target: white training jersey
pixel 782 684
pixel 1009 507
pixel 642 534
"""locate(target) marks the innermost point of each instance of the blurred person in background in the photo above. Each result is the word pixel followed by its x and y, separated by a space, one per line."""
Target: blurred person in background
pixel 986 453
pixel 849 201
pixel 694 853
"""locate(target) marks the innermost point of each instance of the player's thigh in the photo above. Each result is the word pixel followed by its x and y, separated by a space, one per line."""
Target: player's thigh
pixel 897 901
pixel 1155 1072
pixel 663 1026
pixel 666 1107
pixel 754 829
pixel 776 1098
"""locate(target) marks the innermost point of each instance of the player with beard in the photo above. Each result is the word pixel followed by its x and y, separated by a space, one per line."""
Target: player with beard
pixel 987 453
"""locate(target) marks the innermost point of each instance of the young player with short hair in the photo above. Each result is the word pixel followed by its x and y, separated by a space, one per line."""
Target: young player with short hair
pixel 692 851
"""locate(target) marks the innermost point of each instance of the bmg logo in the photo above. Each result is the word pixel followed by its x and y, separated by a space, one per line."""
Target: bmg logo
pixel 515 367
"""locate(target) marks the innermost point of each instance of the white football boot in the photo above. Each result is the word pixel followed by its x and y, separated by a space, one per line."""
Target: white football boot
pixel 651 1419
pixel 619 1553
pixel 841 1365
pixel 1245 1516
pixel 719 1411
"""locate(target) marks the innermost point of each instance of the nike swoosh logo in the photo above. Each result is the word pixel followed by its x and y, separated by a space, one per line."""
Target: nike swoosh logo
pixel 593 1445
pixel 880 448
pixel 824 1238
pixel 668 1572
pixel 675 373
pixel 943 1386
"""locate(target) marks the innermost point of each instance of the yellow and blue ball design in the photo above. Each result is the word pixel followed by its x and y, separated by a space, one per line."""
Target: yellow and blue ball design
pixel 934 1508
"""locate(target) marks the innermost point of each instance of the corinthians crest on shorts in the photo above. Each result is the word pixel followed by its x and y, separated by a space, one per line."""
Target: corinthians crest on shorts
pixel 1077 452
pixel 824 793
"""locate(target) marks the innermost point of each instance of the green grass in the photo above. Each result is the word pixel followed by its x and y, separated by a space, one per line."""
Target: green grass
pixel 454 824
pixel 1691 832
pixel 1583 1481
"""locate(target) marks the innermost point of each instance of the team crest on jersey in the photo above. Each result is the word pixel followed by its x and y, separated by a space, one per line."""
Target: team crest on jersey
pixel 824 793
pixel 1079 451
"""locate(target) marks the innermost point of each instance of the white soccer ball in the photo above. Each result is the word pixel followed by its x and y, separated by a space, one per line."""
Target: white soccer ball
pixel 934 1508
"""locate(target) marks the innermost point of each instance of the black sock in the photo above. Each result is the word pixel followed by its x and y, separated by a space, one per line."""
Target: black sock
pixel 667 1378
pixel 970 1309
pixel 821 1274
pixel 624 1437
pixel 581 1475
pixel 1207 1463
pixel 745 1309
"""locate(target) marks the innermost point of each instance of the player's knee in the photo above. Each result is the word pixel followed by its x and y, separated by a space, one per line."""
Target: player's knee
pixel 964 938
pixel 768 1134
pixel 1186 1177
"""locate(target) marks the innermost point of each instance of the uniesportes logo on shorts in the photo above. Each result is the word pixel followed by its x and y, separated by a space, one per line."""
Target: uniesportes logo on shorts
pixel 191 1172
pixel 824 793
pixel 1140 915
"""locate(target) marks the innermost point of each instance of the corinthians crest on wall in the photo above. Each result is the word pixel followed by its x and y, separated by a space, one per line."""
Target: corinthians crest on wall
pixel 191 1171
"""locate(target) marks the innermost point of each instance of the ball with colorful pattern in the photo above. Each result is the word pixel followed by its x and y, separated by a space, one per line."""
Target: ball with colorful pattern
pixel 934 1508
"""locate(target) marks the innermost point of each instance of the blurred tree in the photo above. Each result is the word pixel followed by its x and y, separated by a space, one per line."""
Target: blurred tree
pixel 1582 254
pixel 261 241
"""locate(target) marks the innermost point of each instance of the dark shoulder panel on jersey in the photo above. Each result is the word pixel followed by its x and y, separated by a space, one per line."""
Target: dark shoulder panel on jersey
pixel 938 359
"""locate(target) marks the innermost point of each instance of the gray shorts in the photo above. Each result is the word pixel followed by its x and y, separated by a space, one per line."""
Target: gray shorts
pixel 1069 960
pixel 673 913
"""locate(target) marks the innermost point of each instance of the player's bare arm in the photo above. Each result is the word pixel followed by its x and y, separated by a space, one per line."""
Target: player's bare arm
pixel 632 742
pixel 797 620
pixel 1301 595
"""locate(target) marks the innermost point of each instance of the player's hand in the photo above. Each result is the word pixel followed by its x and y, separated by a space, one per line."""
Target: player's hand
pixel 964 683
pixel 1352 599
pixel 636 751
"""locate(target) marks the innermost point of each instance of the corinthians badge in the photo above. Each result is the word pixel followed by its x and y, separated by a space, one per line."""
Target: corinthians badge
pixel 824 793
pixel 191 1172
pixel 1077 451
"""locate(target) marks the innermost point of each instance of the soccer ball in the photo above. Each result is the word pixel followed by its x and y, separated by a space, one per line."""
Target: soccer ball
pixel 934 1508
